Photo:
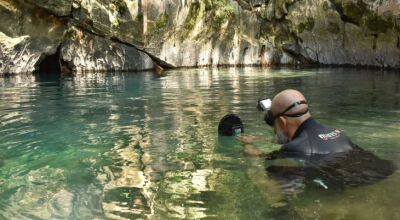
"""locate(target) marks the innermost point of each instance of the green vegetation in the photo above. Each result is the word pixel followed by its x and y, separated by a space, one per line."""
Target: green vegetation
pixel 162 21
pixel 214 12
pixel 157 27
pixel 196 12
pixel 221 11
pixel 177 178
pixel 115 23
pixel 118 6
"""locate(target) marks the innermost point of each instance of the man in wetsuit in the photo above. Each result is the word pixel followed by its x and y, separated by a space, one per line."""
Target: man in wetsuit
pixel 312 152
pixel 298 131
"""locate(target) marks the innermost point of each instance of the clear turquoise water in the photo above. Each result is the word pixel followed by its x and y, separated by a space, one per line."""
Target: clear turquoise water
pixel 134 145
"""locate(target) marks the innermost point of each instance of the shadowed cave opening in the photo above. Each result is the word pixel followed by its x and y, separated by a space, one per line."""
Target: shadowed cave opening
pixel 50 65
pixel 53 65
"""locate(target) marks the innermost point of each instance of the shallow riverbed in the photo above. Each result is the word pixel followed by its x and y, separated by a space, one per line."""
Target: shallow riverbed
pixel 135 145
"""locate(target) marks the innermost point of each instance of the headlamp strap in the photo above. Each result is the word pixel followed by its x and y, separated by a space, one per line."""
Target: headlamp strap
pixel 294 115
pixel 294 105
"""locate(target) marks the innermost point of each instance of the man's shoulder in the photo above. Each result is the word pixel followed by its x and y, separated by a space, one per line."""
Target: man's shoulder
pixel 329 140
pixel 315 138
pixel 300 144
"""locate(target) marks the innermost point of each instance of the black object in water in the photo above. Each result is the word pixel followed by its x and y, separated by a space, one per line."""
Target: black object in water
pixel 230 125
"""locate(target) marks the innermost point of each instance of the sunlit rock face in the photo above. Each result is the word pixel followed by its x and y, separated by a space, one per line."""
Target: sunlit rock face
pixel 87 52
pixel 199 33
pixel 193 33
pixel 27 36
pixel 21 54
pixel 328 32
pixel 119 19
pixel 361 33
pixel 85 36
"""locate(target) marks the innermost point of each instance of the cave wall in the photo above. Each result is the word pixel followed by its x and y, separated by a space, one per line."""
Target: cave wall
pixel 84 31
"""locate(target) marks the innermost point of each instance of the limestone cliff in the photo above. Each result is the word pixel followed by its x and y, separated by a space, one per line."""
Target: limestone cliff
pixel 80 34
pixel 137 34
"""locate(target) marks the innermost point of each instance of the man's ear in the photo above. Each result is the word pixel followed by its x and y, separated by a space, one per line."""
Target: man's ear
pixel 283 120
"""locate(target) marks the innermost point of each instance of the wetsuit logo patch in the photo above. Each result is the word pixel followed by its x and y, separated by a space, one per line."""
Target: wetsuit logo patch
pixel 329 136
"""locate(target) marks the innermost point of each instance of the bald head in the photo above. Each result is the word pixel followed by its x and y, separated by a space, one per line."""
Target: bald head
pixel 286 98
pixel 286 125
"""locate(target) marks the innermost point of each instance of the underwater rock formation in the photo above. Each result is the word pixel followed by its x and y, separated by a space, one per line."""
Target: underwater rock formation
pixel 177 33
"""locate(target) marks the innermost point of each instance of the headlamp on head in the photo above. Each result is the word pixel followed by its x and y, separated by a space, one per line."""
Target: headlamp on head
pixel 265 105
pixel 269 118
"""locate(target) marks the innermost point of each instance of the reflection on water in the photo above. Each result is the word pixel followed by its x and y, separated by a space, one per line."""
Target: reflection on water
pixel 127 146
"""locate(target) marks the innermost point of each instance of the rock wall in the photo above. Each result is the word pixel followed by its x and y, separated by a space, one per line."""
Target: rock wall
pixel 127 34
pixel 214 33
pixel 276 32
pixel 22 54
pixel 364 33
pixel 88 52
pixel 82 34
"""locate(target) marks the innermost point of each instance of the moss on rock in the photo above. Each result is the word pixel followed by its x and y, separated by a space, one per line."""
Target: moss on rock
pixel 220 11
pixel 325 6
pixel 162 21
pixel 266 30
pixel 333 27
pixel 361 14
pixel 379 24
pixel 355 11
pixel 196 12
pixel 156 28
pixel 214 12
pixel 118 6
pixel 307 25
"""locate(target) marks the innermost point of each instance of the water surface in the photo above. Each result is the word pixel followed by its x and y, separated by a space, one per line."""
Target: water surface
pixel 134 145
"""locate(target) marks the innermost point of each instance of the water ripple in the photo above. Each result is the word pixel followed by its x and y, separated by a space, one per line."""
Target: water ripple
pixel 135 146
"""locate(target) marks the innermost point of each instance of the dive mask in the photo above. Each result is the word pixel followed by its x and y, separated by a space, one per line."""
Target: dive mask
pixel 269 118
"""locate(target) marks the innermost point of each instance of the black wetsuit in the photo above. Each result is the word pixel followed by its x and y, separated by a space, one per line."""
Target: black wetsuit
pixel 314 138
pixel 326 156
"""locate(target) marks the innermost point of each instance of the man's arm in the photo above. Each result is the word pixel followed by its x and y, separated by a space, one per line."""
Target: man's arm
pixel 248 148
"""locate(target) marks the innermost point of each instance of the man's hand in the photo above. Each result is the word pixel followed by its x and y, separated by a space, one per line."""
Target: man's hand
pixel 250 150
pixel 247 139
pixel 248 147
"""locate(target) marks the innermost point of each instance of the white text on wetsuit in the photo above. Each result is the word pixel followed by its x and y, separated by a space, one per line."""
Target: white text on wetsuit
pixel 332 135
